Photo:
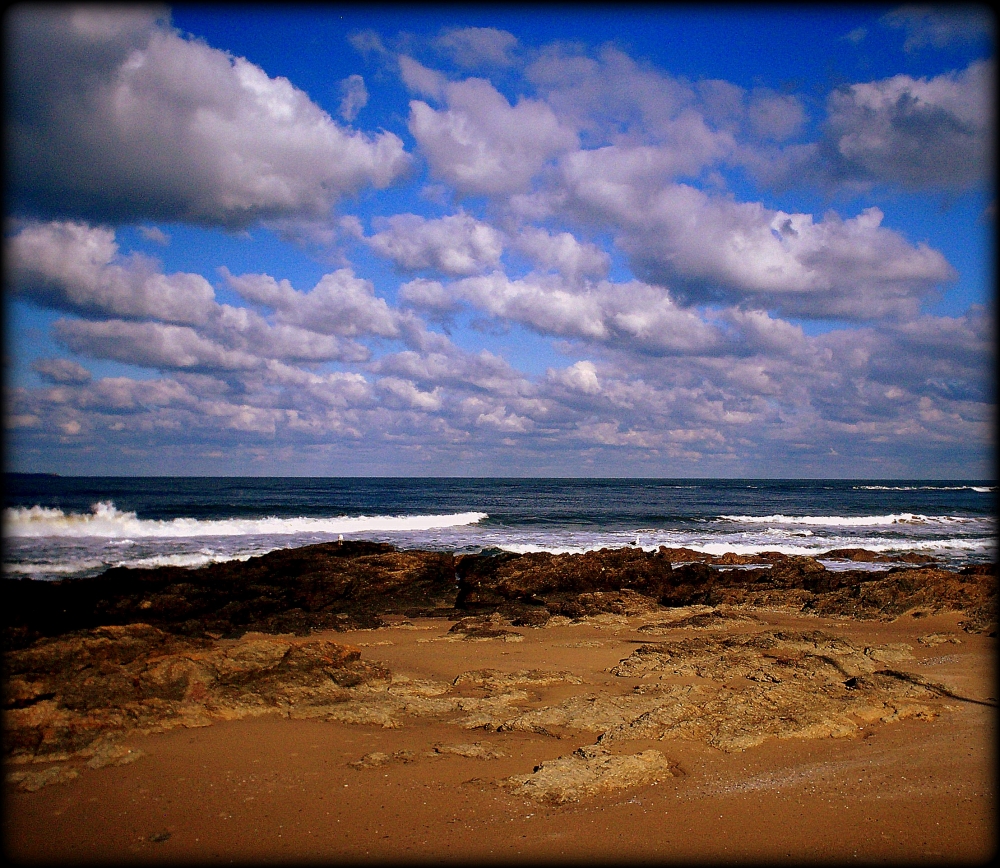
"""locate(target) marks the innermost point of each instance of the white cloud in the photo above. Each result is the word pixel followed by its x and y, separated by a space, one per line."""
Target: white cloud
pixel 454 245
pixel 408 395
pixel 775 116
pixel 633 315
pixel 581 377
pixel 709 248
pixel 563 253
pixel 421 80
pixel 74 267
pixel 936 132
pixel 340 304
pixel 480 144
pixel 149 344
pixel 134 121
pixel 155 234
pixel 615 100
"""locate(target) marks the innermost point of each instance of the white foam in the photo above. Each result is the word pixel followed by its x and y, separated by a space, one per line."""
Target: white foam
pixel 982 489
pixel 182 560
pixel 105 520
pixel 847 521
pixel 67 568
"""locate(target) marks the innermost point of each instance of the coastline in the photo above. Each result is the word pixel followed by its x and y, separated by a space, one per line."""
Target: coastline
pixel 540 707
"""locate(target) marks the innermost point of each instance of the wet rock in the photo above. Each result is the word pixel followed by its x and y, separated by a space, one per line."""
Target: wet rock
pixel 890 595
pixel 590 771
pixel 534 577
pixel 343 585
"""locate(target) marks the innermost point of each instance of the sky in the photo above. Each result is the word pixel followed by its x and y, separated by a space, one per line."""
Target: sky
pixel 597 241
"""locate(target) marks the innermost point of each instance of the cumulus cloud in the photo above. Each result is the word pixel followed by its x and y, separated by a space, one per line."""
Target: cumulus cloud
pixel 340 304
pixel 579 377
pixel 562 252
pixel 640 317
pixel 118 117
pixel 454 245
pixel 481 144
pixel 604 166
pixel 612 99
pixel 75 267
pixel 935 133
pixel 775 116
pixel 711 248
pixel 62 371
pixel 919 133
pixel 149 344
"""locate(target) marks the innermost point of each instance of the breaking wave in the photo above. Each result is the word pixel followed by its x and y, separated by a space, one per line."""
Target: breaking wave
pixel 982 489
pixel 105 520
pixel 848 521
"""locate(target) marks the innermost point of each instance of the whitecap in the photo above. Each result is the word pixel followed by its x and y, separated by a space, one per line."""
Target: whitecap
pixel 105 520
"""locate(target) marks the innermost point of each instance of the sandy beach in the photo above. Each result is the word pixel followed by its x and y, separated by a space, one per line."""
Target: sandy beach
pixel 492 745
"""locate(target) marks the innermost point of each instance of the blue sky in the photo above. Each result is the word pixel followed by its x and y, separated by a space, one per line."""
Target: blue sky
pixel 518 241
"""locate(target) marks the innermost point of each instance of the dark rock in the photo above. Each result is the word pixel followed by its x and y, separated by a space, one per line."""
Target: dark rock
pixel 286 591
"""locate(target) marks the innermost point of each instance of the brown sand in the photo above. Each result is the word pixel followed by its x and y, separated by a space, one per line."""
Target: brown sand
pixel 271 788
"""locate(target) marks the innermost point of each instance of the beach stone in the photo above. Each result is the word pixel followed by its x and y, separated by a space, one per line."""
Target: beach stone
pixel 933 639
pixel 590 771
pixel 30 781
pixel 475 750
pixel 485 627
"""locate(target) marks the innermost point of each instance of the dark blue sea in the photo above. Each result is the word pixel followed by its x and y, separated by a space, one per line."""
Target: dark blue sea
pixel 58 527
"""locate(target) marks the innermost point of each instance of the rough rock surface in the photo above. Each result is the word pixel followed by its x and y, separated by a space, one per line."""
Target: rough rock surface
pixel 733 692
pixel 589 771
pixel 628 581
pixel 341 585
pixel 90 661
pixel 348 585
pixel 70 696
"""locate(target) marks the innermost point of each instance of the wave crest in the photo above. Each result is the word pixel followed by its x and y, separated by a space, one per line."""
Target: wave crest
pixel 105 520
pixel 847 521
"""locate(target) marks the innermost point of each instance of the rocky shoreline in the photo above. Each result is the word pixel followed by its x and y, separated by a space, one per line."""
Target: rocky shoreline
pixel 347 585
pixel 91 661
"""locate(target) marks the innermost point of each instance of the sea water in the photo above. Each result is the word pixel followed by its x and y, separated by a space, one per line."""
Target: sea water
pixel 61 527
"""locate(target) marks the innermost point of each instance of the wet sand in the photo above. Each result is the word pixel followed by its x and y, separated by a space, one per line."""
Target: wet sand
pixel 270 788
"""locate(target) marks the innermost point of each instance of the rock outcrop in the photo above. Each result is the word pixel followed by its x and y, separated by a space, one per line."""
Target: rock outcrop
pixel 71 695
pixel 341 585
pixel 89 661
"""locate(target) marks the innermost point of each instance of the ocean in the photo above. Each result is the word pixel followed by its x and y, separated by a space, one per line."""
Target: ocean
pixel 61 527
